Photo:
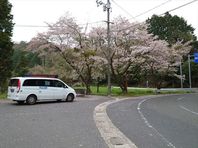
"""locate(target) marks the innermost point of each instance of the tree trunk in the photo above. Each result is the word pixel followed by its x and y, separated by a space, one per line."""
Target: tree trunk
pixel 124 85
pixel 124 89
pixel 88 89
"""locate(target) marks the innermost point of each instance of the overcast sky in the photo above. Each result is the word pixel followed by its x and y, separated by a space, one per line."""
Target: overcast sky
pixel 30 14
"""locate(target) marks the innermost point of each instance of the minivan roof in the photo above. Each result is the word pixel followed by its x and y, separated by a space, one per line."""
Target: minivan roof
pixel 47 78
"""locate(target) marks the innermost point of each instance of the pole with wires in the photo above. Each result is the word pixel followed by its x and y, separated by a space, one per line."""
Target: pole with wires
pixel 107 8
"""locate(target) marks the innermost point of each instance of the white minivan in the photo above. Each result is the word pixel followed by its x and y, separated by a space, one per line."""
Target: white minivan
pixel 33 89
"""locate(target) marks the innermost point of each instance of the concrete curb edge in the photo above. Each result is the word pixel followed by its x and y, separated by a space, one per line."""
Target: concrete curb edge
pixel 113 137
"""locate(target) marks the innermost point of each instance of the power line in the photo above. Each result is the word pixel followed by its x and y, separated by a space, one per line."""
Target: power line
pixel 180 6
pixel 153 8
pixel 142 13
pixel 164 13
pixel 46 26
pixel 31 26
pixel 42 26
pixel 123 9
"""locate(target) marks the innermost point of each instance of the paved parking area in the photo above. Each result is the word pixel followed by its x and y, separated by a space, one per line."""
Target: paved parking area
pixel 50 124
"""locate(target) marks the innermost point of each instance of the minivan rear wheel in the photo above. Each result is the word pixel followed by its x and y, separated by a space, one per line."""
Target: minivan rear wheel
pixel 31 100
pixel 70 98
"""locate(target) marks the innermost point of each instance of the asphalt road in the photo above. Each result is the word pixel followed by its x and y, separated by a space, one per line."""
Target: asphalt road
pixel 50 125
pixel 163 122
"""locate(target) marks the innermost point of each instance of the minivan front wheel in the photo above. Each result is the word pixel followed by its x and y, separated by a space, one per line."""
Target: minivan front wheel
pixel 70 98
pixel 31 100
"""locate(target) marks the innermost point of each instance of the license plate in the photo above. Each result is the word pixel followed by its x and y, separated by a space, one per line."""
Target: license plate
pixel 11 90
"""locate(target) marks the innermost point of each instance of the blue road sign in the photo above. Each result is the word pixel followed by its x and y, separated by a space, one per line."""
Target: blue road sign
pixel 196 57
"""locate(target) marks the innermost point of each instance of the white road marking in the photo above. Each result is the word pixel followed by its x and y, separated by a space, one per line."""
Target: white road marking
pixel 113 137
pixel 186 109
pixel 179 99
pixel 169 144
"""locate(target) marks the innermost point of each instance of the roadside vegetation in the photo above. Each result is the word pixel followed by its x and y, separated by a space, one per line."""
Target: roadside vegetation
pixel 3 95
pixel 141 54
pixel 132 91
pixel 117 91
pixel 80 58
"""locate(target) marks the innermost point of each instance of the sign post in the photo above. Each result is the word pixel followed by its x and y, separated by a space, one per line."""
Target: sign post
pixel 189 66
pixel 189 72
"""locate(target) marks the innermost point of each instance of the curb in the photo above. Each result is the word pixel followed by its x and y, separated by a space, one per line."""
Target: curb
pixel 113 137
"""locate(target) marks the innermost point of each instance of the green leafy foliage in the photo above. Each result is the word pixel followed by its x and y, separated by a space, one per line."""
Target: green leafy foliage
pixel 174 29
pixel 6 51
pixel 194 73
pixel 23 60
pixel 170 28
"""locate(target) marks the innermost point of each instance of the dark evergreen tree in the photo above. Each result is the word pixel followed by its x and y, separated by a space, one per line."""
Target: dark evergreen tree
pixel 6 51
pixel 170 28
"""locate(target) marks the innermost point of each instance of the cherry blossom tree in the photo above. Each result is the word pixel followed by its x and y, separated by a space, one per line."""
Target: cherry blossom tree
pixel 67 38
pixel 163 61
pixel 132 46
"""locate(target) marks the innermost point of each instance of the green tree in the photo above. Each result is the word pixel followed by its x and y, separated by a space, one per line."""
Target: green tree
pixel 19 63
pixel 23 60
pixel 6 51
pixel 170 28
pixel 194 73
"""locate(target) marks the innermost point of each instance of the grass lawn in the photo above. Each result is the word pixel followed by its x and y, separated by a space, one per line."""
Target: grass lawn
pixel 116 91
pixel 132 91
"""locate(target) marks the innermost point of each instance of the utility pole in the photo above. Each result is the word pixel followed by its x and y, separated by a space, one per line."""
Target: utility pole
pixel 189 71
pixel 181 74
pixel 107 7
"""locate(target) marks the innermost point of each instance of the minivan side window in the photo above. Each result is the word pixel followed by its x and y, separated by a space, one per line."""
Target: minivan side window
pixel 58 84
pixel 38 82
pixel 30 82
pixel 48 83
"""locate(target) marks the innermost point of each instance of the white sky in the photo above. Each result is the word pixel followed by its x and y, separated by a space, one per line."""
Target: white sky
pixel 37 12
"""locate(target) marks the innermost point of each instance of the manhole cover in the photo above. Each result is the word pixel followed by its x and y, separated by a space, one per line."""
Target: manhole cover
pixel 116 141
